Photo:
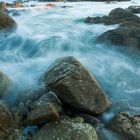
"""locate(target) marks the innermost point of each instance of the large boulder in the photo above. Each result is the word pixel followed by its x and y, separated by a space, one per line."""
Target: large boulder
pixel 5 84
pixel 74 84
pixel 46 109
pixel 6 22
pixel 127 126
pixel 116 16
pixel 67 129
pixel 127 34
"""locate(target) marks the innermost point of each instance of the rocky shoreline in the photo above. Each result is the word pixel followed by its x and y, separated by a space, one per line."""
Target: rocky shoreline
pixel 68 101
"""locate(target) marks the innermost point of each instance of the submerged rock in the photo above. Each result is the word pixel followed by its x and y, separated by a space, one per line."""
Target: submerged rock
pixel 66 129
pixel 46 109
pixel 127 126
pixel 5 84
pixel 75 85
pixel 6 22
pixel 116 16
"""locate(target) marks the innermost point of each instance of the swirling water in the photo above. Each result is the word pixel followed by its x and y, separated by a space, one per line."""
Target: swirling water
pixel 45 34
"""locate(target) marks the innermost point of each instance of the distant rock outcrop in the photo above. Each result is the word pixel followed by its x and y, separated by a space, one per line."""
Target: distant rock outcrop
pixel 126 34
pixel 116 16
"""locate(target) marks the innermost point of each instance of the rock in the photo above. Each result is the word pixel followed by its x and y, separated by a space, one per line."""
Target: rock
pixel 9 130
pixel 22 109
pixel 74 84
pixel 6 22
pixel 5 83
pixel 66 129
pixel 127 126
pixel 6 119
pixel 46 109
pixel 51 5
pixel 42 115
pixel 90 119
pixel 134 9
pixel 127 34
pixel 116 16
pixel 77 0
pixel 31 95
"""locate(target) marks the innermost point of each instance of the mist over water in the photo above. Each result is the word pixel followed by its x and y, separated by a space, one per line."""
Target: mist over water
pixel 43 35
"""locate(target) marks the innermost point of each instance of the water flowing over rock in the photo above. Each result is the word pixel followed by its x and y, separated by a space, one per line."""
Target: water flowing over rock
pixel 127 126
pixel 5 84
pixel 75 85
pixel 116 16
pixel 67 129
pixel 6 22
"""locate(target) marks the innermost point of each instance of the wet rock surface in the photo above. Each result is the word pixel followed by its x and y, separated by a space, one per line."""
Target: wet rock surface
pixel 5 84
pixel 126 125
pixel 128 34
pixel 134 8
pixel 74 84
pixel 6 22
pixel 66 129
pixel 45 109
pixel 9 126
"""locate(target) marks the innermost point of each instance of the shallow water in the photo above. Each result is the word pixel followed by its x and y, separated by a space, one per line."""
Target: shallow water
pixel 44 35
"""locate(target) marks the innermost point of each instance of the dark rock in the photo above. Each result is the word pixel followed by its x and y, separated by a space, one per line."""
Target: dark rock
pixel 89 119
pixel 74 84
pixel 127 126
pixel 116 16
pixel 127 34
pixel 46 109
pixel 6 119
pixel 5 84
pixel 8 126
pixel 66 129
pixel 6 22
pixel 31 95
pixel 134 9
pixel 22 109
